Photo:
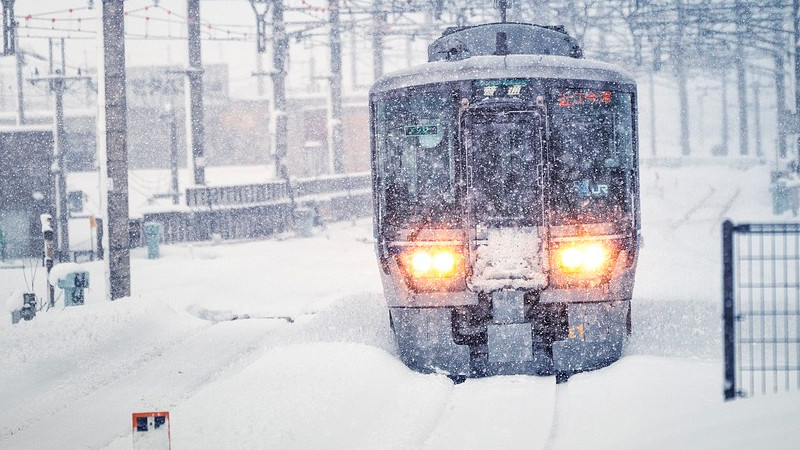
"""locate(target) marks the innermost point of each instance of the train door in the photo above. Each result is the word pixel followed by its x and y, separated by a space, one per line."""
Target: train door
pixel 504 161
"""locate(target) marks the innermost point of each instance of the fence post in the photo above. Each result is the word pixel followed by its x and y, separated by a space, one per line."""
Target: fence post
pixel 728 312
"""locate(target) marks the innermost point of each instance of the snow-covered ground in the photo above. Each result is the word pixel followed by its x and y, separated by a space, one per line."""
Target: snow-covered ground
pixel 202 336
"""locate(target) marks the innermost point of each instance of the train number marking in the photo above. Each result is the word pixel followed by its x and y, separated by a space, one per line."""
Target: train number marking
pixel 577 331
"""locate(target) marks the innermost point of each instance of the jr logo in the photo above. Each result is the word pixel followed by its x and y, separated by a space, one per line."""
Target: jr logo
pixel 586 188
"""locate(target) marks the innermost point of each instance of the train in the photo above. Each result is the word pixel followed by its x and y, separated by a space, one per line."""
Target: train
pixel 505 179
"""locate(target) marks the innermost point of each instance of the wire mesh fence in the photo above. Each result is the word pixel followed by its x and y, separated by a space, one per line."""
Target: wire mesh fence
pixel 761 310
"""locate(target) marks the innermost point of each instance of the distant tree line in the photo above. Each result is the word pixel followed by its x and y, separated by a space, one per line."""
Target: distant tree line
pixel 748 39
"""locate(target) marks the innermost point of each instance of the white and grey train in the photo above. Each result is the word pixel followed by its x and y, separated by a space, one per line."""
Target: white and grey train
pixel 506 195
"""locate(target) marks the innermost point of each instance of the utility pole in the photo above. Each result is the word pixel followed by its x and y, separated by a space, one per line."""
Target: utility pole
pixel 280 44
pixel 10 48
pixel 757 118
pixel 796 122
pixel 335 145
pixel 780 101
pixel 58 85
pixel 194 120
pixel 378 25
pixel 680 69
pixel 741 78
pixel 724 112
pixel 20 93
pixel 260 8
pixel 172 123
pixel 116 147
pixel 9 28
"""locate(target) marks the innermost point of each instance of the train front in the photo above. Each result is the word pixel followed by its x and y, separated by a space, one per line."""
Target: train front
pixel 506 204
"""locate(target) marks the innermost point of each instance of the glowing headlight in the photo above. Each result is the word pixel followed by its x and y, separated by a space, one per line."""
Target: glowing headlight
pixel 587 257
pixel 433 262
pixel 444 262
pixel 421 263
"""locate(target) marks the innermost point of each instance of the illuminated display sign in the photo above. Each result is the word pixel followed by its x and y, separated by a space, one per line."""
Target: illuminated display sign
pixel 422 130
pixel 490 88
pixel 576 98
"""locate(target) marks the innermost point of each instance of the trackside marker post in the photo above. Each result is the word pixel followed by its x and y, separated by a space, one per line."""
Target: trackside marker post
pixel 151 431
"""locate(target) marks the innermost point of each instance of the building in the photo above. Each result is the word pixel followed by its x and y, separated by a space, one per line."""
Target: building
pixel 26 188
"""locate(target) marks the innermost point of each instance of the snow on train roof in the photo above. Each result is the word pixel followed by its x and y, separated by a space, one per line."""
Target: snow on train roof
pixel 516 66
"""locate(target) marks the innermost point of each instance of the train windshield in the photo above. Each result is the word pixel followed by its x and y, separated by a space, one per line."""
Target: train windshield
pixel 592 156
pixel 416 158
pixel 504 157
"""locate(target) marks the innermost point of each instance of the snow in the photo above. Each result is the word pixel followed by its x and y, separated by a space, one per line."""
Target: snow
pixel 506 260
pixel 60 271
pixel 205 336
pixel 15 300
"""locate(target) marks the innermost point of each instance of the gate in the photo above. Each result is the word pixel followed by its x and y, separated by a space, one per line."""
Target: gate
pixel 761 309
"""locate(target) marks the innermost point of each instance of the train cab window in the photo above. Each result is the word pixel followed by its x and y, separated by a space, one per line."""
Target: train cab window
pixel 503 154
pixel 415 146
pixel 592 156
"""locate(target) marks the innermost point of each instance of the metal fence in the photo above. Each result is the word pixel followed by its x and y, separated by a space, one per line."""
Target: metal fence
pixel 761 308
pixel 259 210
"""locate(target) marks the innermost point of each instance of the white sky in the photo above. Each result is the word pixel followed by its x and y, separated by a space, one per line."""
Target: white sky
pixel 222 19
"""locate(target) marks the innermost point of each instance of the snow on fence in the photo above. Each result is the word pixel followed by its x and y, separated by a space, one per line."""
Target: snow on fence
pixel 259 210
pixel 761 308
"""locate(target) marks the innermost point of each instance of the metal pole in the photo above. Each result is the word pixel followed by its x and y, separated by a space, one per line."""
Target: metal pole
pixel 20 94
pixel 195 126
pixel 741 80
pixel 9 28
pixel 728 310
pixel 259 78
pixel 260 8
pixel 652 97
pixel 353 54
pixel 780 101
pixel 378 21
pixel 116 148
pixel 59 170
pixel 63 56
pixel 280 45
pixel 173 154
pixel 50 55
pixel 724 112
pixel 335 153
pixel 757 119
pixel 680 69
pixel 47 234
pixel 796 17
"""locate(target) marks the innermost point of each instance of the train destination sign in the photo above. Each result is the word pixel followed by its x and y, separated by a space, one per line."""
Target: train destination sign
pixel 490 88
pixel 575 98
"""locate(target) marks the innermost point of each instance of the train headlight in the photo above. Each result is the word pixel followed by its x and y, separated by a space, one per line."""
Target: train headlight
pixel 433 263
pixel 421 263
pixel 587 258
pixel 433 268
pixel 444 262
